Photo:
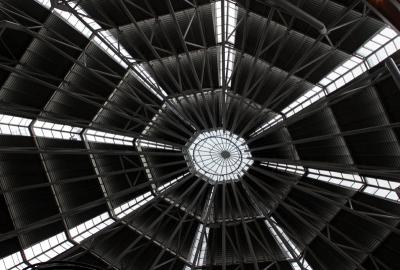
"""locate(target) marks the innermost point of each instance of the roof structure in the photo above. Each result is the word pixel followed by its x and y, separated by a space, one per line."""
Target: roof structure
pixel 199 134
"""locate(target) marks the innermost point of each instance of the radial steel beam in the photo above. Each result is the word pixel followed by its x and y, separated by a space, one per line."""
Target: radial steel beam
pixel 394 70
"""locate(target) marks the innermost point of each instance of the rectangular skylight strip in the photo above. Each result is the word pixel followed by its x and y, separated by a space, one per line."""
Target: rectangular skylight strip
pixel 99 178
pixel 105 41
pixel 379 47
pixel 106 48
pixel 44 3
pixel 230 20
pixel 156 145
pixel 375 186
pixel 74 22
pixel 111 45
pixel 149 81
pixel 229 60
pixel 303 262
pixel 218 17
pixel 114 43
pixel 344 74
pixel 353 181
pixel 384 52
pixel 371 53
pixel 198 248
pixel 285 167
pixel 92 135
pixel 146 166
pixel 311 96
pixel 166 186
pixel 341 70
pixel 305 100
pixel 13 125
pixel 56 131
pixel 277 118
pixel 47 249
pixel 13 261
pixel 203 249
pixel 207 210
pixel 132 205
pixel 382 188
pixel 231 15
pixel 226 14
pixel 280 236
pixel 90 227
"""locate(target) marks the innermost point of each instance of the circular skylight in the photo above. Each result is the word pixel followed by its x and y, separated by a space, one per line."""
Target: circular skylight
pixel 218 156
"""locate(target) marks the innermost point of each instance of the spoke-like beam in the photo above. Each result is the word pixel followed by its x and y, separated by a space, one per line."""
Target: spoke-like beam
pixel 287 246
pixel 382 45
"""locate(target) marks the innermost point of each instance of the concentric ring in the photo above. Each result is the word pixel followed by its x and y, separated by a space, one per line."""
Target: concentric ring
pixel 218 156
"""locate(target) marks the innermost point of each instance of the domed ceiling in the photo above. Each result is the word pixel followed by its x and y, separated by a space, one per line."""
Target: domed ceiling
pixel 198 134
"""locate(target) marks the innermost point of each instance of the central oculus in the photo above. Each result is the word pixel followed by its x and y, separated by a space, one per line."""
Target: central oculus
pixel 218 156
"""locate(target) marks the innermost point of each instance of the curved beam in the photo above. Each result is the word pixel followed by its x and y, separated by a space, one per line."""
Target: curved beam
pixel 388 10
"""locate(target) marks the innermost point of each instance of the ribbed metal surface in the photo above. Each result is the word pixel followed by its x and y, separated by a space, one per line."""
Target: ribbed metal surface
pixel 49 70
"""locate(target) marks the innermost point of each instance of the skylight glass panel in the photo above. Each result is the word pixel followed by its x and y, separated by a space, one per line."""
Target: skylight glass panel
pixel 374 186
pixel 56 131
pixel 110 45
pixel 85 17
pixel 379 47
pixel 226 13
pixel 382 188
pixel 218 18
pixel 226 64
pixel 198 250
pixel 231 14
pixel 285 167
pixel 277 119
pixel 304 265
pixel 44 3
pixel 298 262
pixel 374 51
pixel 72 19
pixel 99 177
pixel 109 51
pixel 146 167
pixel 156 145
pixel 106 42
pixel 92 135
pixel 208 204
pixel 348 180
pixel 47 249
pixel 90 227
pixel 228 24
pixel 132 205
pixel 311 96
pixel 344 73
pixel 166 186
pixel 149 82
pixel 13 125
pixel 114 43
pixel 74 22
pixel 13 261
pixel 218 156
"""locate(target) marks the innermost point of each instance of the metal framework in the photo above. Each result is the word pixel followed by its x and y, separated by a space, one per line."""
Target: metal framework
pixel 112 134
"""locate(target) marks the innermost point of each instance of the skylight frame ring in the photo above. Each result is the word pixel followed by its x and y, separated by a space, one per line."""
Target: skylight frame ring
pixel 225 174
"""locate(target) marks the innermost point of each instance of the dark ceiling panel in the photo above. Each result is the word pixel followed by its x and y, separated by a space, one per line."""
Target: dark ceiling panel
pixel 49 69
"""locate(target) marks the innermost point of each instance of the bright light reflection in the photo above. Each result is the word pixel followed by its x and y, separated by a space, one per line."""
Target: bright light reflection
pixel 218 156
